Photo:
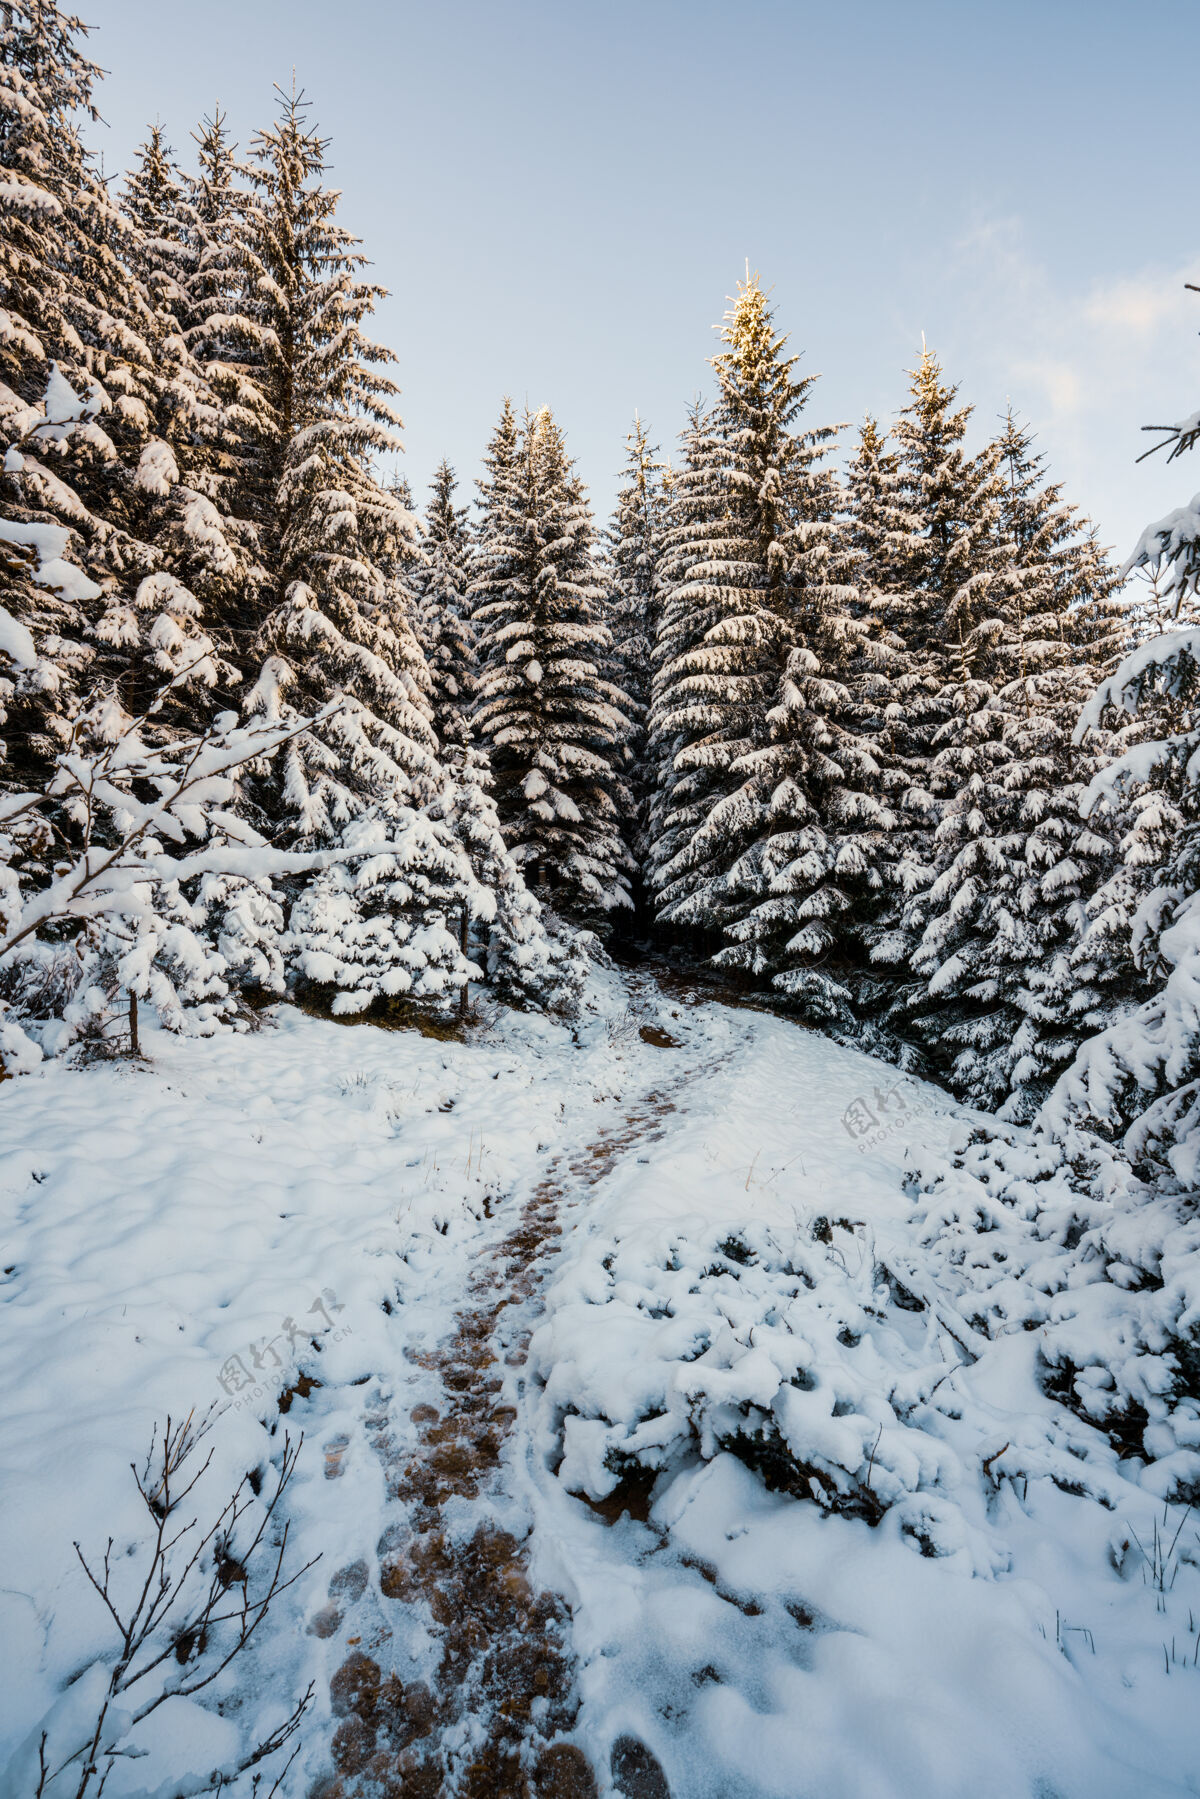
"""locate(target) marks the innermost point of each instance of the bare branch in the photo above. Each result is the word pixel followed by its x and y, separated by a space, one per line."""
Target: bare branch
pixel 149 1635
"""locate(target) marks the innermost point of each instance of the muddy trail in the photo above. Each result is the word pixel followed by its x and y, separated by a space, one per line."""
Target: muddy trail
pixel 495 1720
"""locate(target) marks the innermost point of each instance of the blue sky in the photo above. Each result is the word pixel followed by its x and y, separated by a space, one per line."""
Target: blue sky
pixel 560 196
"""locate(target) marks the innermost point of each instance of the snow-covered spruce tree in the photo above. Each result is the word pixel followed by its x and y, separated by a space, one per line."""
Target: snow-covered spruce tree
pixel 224 285
pixel 153 202
pixel 634 546
pixel 154 250
pixel 492 545
pixel 723 630
pixel 553 723
pixel 82 396
pixel 401 488
pixel 526 963
pixel 943 605
pixel 225 295
pixel 811 878
pixel 1120 1346
pixel 878 535
pixel 878 531
pixel 755 631
pixel 686 503
pixel 340 630
pixel 633 554
pixel 879 526
pixel 66 290
pixel 1138 1080
pixel 443 611
pixel 1069 628
pixel 195 503
pixel 1009 999
pixel 157 252
pixel 947 608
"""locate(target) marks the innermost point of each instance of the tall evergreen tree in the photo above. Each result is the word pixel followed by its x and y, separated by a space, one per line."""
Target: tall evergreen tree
pixel 634 544
pixel 1069 630
pixel 222 311
pixel 66 292
pixel 55 222
pixel 634 548
pixel 153 202
pixel 491 546
pixel 749 528
pixel 668 817
pixel 1138 1078
pixel 221 308
pixel 811 872
pixel 191 503
pixel 879 533
pixel 554 724
pixel 443 609
pixel 1007 1001
pixel 882 534
pixel 88 394
pixel 946 609
pixel 340 631
pixel 950 580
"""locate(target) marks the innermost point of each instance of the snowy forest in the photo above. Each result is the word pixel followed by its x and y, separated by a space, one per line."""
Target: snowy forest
pixel 829 744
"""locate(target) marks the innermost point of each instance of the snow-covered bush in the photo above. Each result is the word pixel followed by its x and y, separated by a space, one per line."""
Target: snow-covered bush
pixel 1106 1271
pixel 824 1357
pixel 751 1340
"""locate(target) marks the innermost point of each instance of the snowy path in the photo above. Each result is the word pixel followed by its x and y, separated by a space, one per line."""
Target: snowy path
pixel 584 1318
pixel 499 1686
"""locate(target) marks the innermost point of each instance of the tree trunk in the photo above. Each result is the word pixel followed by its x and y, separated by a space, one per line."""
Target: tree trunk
pixel 463 995
pixel 135 1048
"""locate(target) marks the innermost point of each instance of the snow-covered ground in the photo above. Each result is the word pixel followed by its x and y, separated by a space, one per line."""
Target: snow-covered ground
pixel 744 1283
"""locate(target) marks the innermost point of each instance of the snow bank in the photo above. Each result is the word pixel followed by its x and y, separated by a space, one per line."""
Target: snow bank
pixel 881 1540
pixel 880 1556
pixel 250 1209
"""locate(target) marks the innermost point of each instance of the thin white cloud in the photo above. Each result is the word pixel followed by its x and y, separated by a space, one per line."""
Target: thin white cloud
pixel 1088 362
pixel 1145 305
pixel 1061 383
